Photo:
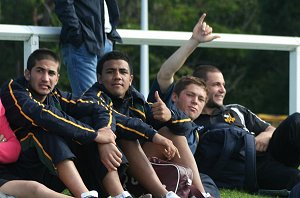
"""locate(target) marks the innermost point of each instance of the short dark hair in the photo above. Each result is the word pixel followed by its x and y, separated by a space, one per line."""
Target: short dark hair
pixel 113 55
pixel 41 54
pixel 202 70
pixel 186 81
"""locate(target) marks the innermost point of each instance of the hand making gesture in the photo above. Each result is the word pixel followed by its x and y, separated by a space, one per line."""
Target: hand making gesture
pixel 160 110
pixel 202 32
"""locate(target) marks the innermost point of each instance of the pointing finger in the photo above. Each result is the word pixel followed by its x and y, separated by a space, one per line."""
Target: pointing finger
pixel 202 18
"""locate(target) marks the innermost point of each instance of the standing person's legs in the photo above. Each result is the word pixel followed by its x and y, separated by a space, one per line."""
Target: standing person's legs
pixel 81 65
pixel 284 145
pixel 108 46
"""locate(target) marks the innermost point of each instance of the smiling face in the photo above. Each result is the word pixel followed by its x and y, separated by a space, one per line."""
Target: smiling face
pixel 42 78
pixel 116 77
pixel 216 90
pixel 191 100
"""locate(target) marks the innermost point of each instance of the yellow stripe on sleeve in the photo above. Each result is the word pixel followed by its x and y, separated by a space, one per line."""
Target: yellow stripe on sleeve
pixel 139 111
pixel 16 103
pixel 180 121
pixel 68 121
pixel 132 130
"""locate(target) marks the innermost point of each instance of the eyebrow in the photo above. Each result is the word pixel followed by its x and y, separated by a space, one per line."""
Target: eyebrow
pixel 42 68
pixel 121 68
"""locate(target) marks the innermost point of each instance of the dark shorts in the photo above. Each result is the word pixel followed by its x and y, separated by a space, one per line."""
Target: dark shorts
pixel 41 152
pixel 51 148
pixel 89 166
pixel 6 174
pixel 29 167
pixel 2 181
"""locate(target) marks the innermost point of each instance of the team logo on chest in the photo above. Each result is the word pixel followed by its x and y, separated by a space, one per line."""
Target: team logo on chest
pixel 228 118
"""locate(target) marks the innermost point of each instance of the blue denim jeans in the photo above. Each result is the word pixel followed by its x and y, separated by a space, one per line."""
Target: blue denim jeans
pixel 81 66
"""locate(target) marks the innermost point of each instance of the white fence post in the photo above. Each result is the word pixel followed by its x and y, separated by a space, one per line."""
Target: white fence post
pixel 294 96
pixel 29 46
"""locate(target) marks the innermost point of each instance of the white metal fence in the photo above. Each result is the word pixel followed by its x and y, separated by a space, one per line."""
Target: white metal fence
pixel 32 35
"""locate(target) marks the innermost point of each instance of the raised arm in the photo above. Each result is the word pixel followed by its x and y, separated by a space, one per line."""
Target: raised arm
pixel 202 32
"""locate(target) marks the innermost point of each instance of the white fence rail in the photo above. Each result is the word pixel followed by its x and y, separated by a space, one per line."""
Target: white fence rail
pixel 32 35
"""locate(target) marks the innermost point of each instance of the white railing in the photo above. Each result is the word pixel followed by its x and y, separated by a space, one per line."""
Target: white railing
pixel 32 35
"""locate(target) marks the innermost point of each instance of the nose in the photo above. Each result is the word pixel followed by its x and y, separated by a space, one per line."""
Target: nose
pixel 45 77
pixel 117 75
pixel 222 89
pixel 195 100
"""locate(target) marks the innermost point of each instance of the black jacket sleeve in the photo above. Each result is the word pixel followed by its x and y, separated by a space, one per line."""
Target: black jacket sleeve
pixel 22 110
pixel 126 127
pixel 133 128
pixel 99 113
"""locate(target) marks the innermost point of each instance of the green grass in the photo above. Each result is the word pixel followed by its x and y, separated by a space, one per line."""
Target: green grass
pixel 238 194
pixel 224 194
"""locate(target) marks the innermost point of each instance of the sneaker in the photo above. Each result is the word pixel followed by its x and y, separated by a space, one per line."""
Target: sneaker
pixel 171 194
pixel 146 196
pixel 90 194
pixel 5 196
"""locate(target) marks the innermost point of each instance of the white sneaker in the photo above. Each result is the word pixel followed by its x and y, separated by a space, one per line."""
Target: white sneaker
pixel 146 196
pixel 5 196
pixel 171 194
pixel 90 194
pixel 124 194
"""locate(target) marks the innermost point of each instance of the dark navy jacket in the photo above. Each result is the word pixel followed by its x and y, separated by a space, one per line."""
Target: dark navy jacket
pixel 135 106
pixel 56 115
pixel 83 22
pixel 127 127
pixel 233 114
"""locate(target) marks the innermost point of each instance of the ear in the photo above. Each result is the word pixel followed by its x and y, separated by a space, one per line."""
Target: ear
pixel 131 79
pixel 57 79
pixel 174 97
pixel 27 74
pixel 99 78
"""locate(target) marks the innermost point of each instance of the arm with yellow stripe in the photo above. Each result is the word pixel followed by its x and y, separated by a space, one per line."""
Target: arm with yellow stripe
pixel 22 110
pixel 98 113
pixel 133 128
pixel 126 127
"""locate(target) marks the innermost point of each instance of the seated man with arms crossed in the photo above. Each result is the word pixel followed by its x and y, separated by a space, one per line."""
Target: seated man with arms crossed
pixel 41 116
pixel 45 116
pixel 115 76
pixel 9 152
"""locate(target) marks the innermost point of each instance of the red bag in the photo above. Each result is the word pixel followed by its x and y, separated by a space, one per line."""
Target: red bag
pixel 175 177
